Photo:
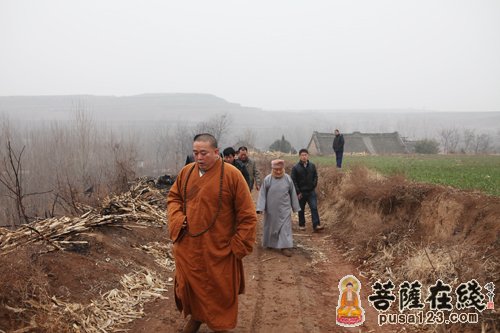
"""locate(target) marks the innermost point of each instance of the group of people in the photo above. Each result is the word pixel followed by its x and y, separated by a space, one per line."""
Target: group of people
pixel 239 159
pixel 212 222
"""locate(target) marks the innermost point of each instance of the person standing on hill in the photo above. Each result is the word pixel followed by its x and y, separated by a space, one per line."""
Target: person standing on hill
pixel 277 199
pixel 305 178
pixel 212 222
pixel 251 167
pixel 338 147
pixel 229 154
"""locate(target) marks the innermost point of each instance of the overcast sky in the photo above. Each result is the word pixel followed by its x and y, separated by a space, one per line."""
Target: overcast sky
pixel 331 54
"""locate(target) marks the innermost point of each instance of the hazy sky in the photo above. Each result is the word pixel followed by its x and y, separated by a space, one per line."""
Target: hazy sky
pixel 288 54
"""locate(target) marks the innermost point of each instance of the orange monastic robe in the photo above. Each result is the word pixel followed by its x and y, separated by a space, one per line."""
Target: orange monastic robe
pixel 209 272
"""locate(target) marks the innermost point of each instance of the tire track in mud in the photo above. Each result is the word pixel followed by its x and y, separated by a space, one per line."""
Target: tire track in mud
pixel 279 297
pixel 257 313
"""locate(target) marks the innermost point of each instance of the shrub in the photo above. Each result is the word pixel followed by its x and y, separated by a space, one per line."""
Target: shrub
pixel 281 145
pixel 427 146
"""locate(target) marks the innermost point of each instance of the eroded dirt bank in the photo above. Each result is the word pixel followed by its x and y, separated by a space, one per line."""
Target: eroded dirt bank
pixel 391 228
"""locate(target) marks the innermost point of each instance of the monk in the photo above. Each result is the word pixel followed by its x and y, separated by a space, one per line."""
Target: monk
pixel 212 221
pixel 277 199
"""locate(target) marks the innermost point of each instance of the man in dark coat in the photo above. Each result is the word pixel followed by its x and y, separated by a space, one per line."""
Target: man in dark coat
pixel 305 179
pixel 251 166
pixel 229 154
pixel 338 147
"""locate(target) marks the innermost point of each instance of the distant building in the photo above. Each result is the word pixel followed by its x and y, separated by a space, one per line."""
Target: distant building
pixel 357 142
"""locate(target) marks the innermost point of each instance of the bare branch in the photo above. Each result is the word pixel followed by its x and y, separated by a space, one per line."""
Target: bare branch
pixel 13 184
pixel 37 193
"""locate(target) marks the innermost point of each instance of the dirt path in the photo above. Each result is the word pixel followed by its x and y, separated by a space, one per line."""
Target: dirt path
pixel 296 294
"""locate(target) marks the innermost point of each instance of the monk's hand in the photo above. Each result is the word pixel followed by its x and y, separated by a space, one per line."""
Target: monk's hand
pixel 182 232
pixel 299 196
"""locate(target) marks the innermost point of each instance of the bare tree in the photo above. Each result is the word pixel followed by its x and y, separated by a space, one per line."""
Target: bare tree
pixel 482 143
pixel 160 139
pixel 450 138
pixel 469 137
pixel 218 126
pixel 183 143
pixel 125 160
pixel 85 134
pixel 80 161
pixel 248 138
pixel 11 178
pixel 161 145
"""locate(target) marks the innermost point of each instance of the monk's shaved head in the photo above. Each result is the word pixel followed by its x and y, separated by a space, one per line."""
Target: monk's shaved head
pixel 206 137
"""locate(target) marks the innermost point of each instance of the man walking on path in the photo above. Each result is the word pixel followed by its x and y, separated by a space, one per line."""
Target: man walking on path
pixel 305 178
pixel 251 167
pixel 277 199
pixel 229 154
pixel 338 147
pixel 212 221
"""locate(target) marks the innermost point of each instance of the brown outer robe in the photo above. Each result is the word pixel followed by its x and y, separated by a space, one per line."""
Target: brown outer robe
pixel 209 272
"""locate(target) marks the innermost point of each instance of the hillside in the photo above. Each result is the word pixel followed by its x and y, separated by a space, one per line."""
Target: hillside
pixel 146 107
pixel 147 110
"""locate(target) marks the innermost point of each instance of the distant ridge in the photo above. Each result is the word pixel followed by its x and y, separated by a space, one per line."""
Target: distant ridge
pixel 156 106
pixel 165 109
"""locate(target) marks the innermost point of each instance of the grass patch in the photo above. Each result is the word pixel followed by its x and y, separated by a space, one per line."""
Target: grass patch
pixel 468 172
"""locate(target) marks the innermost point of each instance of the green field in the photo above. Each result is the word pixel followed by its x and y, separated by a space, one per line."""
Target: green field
pixel 460 171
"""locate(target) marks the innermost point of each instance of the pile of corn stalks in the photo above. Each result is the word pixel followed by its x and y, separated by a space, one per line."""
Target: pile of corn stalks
pixel 142 204
pixel 162 254
pixel 112 310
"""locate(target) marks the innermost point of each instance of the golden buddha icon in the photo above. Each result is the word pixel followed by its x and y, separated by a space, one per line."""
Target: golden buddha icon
pixel 349 311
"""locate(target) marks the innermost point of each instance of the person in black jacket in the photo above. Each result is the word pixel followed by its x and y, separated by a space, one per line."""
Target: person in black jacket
pixel 305 179
pixel 229 154
pixel 338 147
